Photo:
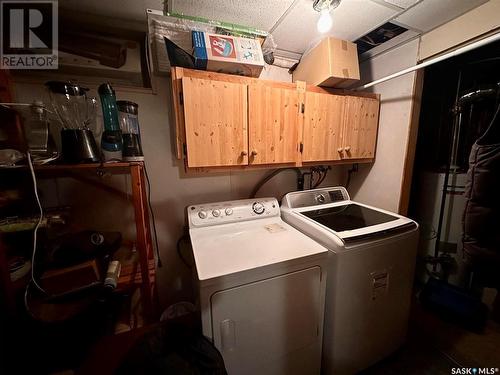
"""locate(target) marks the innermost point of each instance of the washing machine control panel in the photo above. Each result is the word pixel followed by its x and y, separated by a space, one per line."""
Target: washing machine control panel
pixel 232 211
pixel 315 197
pixel 259 208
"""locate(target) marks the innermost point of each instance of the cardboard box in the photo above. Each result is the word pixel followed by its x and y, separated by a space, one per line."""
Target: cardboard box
pixel 332 63
pixel 227 54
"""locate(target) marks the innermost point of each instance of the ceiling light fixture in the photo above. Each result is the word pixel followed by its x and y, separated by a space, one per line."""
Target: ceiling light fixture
pixel 325 19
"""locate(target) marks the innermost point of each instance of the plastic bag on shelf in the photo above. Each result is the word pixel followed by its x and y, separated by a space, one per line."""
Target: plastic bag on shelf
pixel 178 29
pixel 268 49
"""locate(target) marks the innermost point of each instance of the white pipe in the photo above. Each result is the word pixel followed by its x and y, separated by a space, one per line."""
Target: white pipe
pixel 456 52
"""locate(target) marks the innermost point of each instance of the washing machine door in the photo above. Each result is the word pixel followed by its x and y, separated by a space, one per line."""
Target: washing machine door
pixel 273 326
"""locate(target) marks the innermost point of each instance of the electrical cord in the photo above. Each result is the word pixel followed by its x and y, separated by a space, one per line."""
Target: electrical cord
pixel 152 217
pixel 300 180
pixel 323 171
pixel 350 171
pixel 40 218
pixel 184 237
pixel 311 179
pixel 26 304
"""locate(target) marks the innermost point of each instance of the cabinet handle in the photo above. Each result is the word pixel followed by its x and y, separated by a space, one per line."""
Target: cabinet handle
pixel 254 153
pixel 244 153
pixel 340 150
pixel 347 149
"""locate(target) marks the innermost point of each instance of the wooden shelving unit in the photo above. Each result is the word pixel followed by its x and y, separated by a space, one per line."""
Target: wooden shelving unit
pixel 141 274
pixel 113 168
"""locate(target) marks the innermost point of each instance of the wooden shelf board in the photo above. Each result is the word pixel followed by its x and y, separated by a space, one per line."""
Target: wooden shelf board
pixel 130 276
pixel 62 169
pixel 113 168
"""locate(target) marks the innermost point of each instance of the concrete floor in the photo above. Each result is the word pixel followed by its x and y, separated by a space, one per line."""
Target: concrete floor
pixel 435 346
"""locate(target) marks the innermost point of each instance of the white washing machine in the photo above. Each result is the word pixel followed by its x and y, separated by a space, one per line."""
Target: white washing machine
pixel 370 274
pixel 261 287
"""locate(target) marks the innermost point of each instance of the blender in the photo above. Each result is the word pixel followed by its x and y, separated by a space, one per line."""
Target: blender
pixel 129 124
pixel 77 114
pixel 111 140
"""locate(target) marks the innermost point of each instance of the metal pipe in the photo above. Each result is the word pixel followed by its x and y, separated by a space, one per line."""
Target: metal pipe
pixel 456 141
pixel 474 94
pixel 444 194
pixel 456 52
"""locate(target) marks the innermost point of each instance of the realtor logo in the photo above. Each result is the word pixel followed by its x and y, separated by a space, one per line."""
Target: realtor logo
pixel 28 35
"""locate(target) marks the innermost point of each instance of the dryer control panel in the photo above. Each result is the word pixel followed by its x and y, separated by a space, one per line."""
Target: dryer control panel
pixel 209 214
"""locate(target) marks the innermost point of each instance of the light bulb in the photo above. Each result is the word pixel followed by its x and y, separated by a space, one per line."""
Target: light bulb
pixel 325 21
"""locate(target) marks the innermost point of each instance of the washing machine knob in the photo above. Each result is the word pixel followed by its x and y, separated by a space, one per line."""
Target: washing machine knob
pixel 320 198
pixel 216 213
pixel 202 215
pixel 229 211
pixel 258 208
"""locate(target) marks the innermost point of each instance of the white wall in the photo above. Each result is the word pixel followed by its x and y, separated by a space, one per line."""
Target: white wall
pixel 480 20
pixel 172 189
pixel 379 184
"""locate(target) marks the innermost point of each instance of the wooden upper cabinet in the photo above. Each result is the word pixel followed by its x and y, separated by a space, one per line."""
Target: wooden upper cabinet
pixel 273 124
pixel 323 123
pixel 360 129
pixel 226 120
pixel 215 117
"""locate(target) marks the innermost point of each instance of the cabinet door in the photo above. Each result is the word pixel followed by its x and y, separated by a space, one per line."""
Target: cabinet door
pixel 360 130
pixel 271 326
pixel 323 122
pixel 273 118
pixel 215 115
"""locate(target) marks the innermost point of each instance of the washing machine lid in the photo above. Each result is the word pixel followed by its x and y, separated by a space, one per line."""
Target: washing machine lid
pixel 334 214
pixel 354 222
pixel 238 247
pixel 349 216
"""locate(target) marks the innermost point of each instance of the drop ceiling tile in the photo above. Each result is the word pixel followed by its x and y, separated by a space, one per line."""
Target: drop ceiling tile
pixel 401 4
pixel 352 19
pixel 432 13
pixel 260 14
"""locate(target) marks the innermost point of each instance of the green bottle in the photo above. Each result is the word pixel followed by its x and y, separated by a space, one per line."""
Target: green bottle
pixel 111 141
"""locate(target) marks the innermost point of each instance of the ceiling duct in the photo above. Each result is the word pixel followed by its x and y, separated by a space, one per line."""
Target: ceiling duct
pixel 379 36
